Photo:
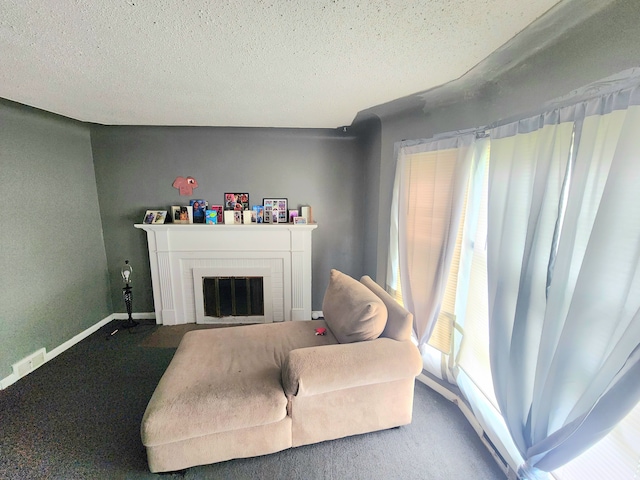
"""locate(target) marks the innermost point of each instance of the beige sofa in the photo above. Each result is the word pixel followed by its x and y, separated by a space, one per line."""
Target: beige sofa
pixel 253 390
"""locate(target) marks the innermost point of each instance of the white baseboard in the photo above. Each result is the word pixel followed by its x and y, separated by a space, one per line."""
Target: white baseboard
pixel 135 316
pixel 13 378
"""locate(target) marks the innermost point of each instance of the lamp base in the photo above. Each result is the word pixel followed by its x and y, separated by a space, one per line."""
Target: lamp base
pixel 130 323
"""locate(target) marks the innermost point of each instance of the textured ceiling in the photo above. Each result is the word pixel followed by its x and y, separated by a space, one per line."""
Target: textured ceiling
pixel 303 63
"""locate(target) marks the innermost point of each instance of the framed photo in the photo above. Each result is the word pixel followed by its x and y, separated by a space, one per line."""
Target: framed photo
pixel 210 217
pixel 161 216
pixel 236 201
pixel 175 213
pixel 154 217
pixel 258 214
pixel 276 205
pixel 149 217
pixel 300 221
pixel 181 214
pixel 218 209
pixel 199 207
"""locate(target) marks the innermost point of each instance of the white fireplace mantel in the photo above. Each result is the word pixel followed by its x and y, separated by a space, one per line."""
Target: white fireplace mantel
pixel 283 250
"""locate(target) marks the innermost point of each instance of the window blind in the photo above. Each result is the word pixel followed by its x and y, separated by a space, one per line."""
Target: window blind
pixel 442 336
pixel 422 182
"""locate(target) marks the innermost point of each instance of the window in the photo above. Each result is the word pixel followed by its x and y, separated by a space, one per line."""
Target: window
pixel 427 204
pixel 562 207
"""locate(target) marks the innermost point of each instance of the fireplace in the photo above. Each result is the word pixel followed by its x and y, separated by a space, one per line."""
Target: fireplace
pixel 182 257
pixel 233 295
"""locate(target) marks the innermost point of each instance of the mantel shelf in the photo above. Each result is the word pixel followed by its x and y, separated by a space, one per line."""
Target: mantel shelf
pixel 222 226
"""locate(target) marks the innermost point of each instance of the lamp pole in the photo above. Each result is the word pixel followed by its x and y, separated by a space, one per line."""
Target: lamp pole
pixel 126 293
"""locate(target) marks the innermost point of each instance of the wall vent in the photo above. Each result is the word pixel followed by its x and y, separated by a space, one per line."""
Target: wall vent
pixel 29 363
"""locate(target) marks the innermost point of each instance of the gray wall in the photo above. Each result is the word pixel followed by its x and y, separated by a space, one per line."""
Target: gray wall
pixel 53 283
pixel 136 166
pixel 369 134
pixel 602 45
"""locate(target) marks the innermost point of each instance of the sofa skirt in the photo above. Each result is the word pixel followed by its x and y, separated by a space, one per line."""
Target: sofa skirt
pixel 221 446
pixel 351 411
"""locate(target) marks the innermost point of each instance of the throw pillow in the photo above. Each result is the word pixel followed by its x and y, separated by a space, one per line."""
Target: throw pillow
pixel 352 311
pixel 399 321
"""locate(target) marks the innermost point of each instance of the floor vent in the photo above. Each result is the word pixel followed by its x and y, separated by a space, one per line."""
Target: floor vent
pixel 30 363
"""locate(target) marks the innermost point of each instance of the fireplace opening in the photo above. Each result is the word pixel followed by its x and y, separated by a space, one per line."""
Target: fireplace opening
pixel 233 296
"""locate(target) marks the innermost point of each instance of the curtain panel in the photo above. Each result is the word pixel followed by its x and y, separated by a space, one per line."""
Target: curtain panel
pixel 562 270
pixel 563 276
pixel 431 178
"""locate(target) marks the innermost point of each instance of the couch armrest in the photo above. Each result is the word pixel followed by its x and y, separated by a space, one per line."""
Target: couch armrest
pixel 315 370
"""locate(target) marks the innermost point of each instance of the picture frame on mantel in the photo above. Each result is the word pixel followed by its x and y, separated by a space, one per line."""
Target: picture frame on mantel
pixel 236 201
pixel 277 204
pixel 154 217
pixel 149 217
pixel 182 214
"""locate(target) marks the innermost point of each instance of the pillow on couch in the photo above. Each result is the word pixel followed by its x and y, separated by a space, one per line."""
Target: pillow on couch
pixel 400 321
pixel 352 311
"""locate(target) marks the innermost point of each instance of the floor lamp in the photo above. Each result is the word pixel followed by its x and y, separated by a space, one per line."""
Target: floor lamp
pixel 126 293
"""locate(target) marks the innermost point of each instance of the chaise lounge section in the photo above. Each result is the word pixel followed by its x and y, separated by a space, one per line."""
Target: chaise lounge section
pixel 253 390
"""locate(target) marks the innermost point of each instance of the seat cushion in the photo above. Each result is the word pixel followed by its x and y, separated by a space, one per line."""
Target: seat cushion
pixel 352 311
pixel 225 379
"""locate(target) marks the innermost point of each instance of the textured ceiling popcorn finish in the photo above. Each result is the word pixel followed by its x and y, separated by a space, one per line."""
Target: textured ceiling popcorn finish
pixel 242 63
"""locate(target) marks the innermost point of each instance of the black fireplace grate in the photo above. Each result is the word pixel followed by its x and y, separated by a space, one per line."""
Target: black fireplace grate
pixel 233 296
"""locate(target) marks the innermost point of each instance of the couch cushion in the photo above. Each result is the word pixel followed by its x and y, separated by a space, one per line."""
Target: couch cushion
pixel 225 379
pixel 352 311
pixel 399 321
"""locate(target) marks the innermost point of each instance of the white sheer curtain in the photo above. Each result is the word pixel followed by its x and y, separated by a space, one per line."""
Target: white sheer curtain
pixel 565 330
pixel 430 182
